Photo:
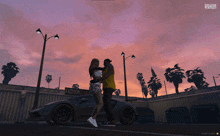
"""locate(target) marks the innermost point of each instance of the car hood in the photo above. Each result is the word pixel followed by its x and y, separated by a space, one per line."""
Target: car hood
pixel 119 100
pixel 51 104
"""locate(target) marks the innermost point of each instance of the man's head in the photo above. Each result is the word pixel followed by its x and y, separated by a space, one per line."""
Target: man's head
pixel 106 62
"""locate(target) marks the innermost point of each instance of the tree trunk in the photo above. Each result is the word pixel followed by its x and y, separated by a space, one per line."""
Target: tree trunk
pixel 176 87
pixel 197 84
pixel 155 93
pixel 6 81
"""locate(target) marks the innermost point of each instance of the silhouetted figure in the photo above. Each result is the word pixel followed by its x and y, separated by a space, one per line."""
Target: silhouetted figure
pixel 75 86
pixel 48 79
pixel 9 71
pixel 175 75
pixel 117 92
pixel 143 86
pixel 95 90
pixel 197 77
pixel 108 88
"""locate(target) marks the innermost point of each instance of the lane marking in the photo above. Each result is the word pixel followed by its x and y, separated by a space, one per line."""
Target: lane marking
pixel 125 131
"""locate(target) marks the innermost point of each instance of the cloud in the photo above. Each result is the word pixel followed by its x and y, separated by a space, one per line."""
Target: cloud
pixel 67 60
pixel 95 47
pixel 109 8
pixel 159 33
pixel 192 57
pixel 36 55
pixel 5 57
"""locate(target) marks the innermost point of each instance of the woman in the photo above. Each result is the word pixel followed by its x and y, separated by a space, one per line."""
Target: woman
pixel 95 89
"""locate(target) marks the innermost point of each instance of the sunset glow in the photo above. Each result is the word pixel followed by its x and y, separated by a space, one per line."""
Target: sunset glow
pixel 160 33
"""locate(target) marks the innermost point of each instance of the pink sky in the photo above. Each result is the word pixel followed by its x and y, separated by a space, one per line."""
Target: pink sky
pixel 160 33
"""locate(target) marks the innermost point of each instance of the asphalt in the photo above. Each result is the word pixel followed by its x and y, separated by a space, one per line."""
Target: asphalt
pixel 85 129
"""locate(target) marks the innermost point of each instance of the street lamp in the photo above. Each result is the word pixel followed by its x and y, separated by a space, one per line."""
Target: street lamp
pixel 123 54
pixel 41 67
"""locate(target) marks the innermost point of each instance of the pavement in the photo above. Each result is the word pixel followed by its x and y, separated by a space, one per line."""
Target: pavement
pixel 85 129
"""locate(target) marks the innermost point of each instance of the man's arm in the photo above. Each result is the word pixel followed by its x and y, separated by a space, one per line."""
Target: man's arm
pixel 108 73
pixel 100 68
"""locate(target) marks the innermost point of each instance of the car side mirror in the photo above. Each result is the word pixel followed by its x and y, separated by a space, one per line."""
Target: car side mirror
pixel 83 100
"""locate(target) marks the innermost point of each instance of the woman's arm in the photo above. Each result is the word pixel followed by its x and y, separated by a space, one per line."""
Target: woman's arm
pixel 99 68
pixel 95 79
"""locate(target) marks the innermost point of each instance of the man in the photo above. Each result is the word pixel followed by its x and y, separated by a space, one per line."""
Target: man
pixel 108 88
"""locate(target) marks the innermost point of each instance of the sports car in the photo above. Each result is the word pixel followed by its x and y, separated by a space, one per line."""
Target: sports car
pixel 79 108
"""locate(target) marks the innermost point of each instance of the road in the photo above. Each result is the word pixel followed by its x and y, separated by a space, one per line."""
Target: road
pixel 85 129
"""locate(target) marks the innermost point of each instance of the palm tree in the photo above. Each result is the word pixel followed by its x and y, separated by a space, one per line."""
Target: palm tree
pixel 175 75
pixel 48 79
pixel 117 92
pixel 75 86
pixel 197 77
pixel 154 84
pixel 192 88
pixel 9 71
pixel 151 93
pixel 145 90
pixel 143 86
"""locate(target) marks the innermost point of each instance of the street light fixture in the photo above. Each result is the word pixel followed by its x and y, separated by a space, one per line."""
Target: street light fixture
pixel 39 31
pixel 133 56
pixel 41 67
pixel 56 37
pixel 123 54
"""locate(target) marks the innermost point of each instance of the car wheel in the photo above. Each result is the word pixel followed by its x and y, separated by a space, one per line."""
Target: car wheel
pixel 127 116
pixel 50 122
pixel 62 114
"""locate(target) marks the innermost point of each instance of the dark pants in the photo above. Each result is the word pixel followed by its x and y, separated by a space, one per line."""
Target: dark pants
pixel 107 95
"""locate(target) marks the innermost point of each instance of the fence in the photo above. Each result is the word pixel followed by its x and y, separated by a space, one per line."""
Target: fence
pixel 30 88
pixel 161 105
pixel 16 105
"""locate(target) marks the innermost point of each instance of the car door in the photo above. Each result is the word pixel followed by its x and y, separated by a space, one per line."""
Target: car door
pixel 85 107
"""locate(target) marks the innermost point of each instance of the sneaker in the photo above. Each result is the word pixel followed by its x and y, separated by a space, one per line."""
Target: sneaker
pixel 109 123
pixel 92 121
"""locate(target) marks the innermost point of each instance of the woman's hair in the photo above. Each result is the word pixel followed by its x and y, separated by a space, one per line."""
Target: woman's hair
pixel 90 67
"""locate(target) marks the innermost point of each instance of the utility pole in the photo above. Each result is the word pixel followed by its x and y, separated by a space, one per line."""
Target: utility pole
pixel 59 85
pixel 214 80
pixel 59 82
pixel 165 87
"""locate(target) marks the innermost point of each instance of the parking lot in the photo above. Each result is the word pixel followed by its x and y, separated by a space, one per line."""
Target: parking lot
pixel 85 129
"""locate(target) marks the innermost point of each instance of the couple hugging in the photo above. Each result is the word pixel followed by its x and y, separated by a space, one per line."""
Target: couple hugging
pixel 105 76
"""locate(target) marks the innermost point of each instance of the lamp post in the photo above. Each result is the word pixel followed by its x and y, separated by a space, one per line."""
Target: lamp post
pixel 41 67
pixel 123 54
